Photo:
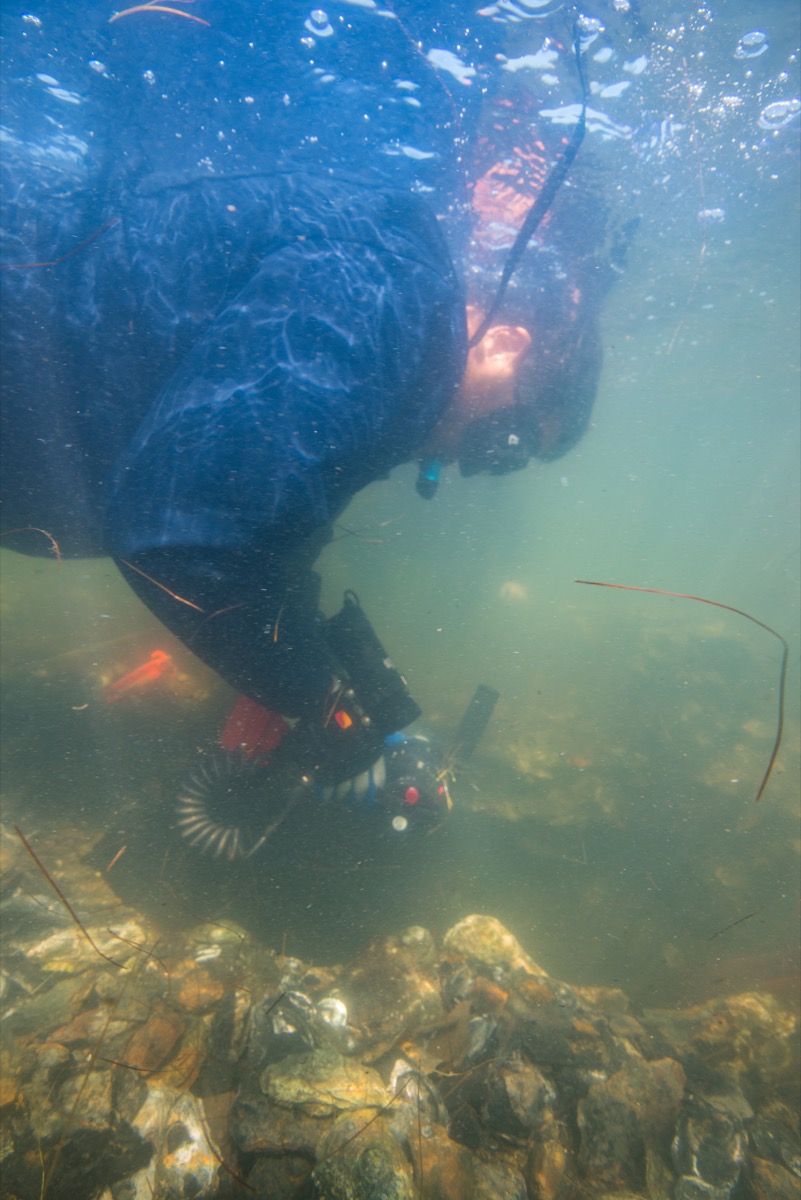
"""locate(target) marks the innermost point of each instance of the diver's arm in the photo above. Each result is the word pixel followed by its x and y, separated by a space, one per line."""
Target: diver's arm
pixel 262 635
pixel 327 369
pixel 220 500
pixel 274 646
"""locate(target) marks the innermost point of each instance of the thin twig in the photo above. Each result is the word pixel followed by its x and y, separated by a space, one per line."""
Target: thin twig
pixel 628 587
pixel 64 899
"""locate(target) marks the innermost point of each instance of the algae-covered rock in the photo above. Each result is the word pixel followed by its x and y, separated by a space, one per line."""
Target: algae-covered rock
pixel 391 989
pixel 323 1083
pixel 489 946
pixel 618 1118
pixel 360 1160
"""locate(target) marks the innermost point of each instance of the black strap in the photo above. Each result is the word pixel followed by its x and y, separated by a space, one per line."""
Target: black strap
pixel 544 200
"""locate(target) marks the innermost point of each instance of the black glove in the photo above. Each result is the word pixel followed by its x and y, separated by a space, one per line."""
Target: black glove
pixel 342 733
pixel 379 686
pixel 336 745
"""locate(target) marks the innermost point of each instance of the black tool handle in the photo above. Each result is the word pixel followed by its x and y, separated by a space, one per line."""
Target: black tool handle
pixel 475 720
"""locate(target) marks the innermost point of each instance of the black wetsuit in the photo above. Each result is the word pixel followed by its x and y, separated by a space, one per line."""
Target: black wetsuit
pixel 228 303
pixel 250 314
pixel 326 369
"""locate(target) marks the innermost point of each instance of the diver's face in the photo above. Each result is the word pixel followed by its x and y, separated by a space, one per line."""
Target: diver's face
pixel 492 365
pixel 487 384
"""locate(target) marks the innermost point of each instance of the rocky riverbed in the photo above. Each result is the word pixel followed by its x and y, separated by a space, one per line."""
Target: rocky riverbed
pixel 139 1064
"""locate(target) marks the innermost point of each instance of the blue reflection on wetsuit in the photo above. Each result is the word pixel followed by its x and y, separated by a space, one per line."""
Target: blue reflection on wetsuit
pixel 252 312
pixel 228 301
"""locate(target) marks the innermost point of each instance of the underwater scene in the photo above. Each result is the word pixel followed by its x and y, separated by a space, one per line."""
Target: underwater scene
pixel 547 946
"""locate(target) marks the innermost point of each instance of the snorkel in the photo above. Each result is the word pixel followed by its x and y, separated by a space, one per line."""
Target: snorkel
pixel 504 440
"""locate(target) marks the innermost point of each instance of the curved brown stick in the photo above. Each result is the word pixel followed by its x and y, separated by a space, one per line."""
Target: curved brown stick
pixel 36 529
pixel 629 587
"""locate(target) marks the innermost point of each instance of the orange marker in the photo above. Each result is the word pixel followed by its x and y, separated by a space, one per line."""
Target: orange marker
pixel 156 666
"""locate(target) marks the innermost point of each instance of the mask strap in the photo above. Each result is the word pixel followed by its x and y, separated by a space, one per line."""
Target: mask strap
pixel 546 197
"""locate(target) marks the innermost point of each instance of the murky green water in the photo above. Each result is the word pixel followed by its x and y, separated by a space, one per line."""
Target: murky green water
pixel 609 816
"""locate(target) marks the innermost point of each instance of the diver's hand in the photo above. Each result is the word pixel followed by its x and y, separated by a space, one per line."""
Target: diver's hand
pixel 337 745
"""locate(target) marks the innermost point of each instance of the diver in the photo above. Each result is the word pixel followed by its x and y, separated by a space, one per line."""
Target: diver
pixel 231 300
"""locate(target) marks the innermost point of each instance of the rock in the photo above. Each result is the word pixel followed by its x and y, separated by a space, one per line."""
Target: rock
pixel 290 1109
pixel 390 990
pixel 207 940
pixel 49 1007
pixel 498 1179
pixel 85 1100
pixel 476 1077
pixel 53 1056
pixel 465 1126
pixel 323 1083
pixel 546 1170
pixel 709 1146
pixel 128 1093
pixel 604 999
pixel 619 1117
pixel 284 1178
pixel 84 1164
pixel 359 1159
pixel 579 1046
pixel 747 1036
pixel 154 1041
pixel 489 948
pixel 771 1181
pixel 620 1196
pixel 183 1067
pixel 414 1104
pixel 228 1030
pixel 183 1160
pixel 9 1086
pixel 198 990
pixel 659 1177
pixel 69 950
pixel 773 1135
pixel 443 1169
pixel 88 1028
pixel 187 1164
pixel 259 1126
pixel 517 1099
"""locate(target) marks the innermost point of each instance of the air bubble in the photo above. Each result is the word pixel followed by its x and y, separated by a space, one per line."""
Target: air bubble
pixel 588 28
pixel 318 23
pixel 751 45
pixel 779 114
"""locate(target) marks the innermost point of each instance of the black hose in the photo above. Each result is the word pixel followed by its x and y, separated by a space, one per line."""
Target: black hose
pixel 544 200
